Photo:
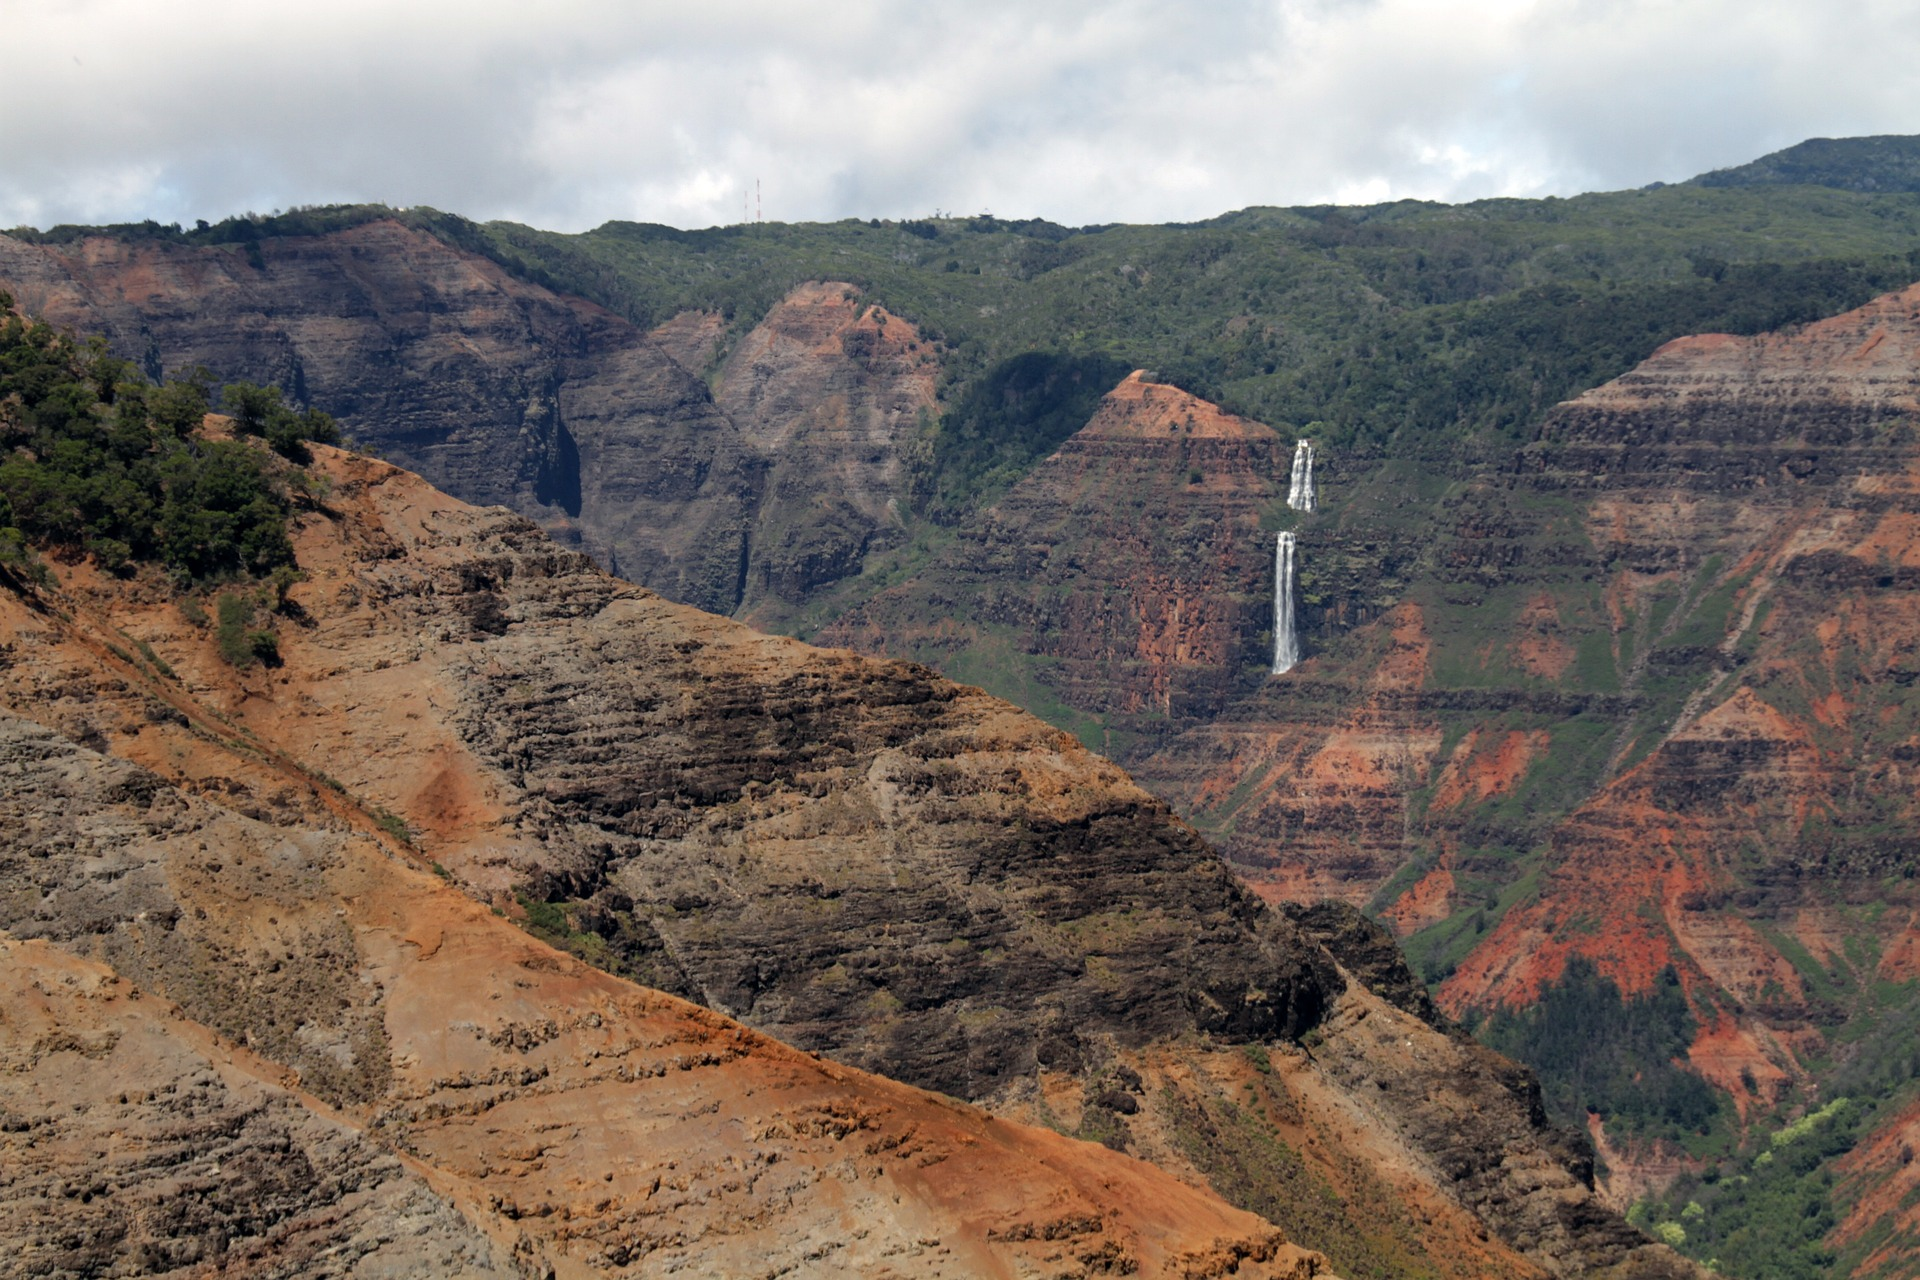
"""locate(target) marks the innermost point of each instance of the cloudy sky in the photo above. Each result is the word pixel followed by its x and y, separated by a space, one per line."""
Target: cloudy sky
pixel 570 112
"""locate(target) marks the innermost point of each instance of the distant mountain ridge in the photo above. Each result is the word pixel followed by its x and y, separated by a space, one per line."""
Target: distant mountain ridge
pixel 1884 162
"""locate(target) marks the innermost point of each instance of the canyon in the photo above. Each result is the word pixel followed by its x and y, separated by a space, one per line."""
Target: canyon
pixel 1633 691
pixel 1627 689
pixel 290 867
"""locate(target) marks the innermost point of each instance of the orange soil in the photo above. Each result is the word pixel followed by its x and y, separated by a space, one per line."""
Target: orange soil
pixel 1541 649
pixel 1724 1050
pixel 1428 902
pixel 1139 409
pixel 1900 962
pixel 1476 775
pixel 1884 1174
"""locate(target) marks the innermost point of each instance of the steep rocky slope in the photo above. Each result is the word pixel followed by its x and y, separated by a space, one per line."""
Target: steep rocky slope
pixel 755 491
pixel 425 1088
pixel 1636 692
pixel 1123 583
pixel 828 389
pixel 1654 709
pixel 853 854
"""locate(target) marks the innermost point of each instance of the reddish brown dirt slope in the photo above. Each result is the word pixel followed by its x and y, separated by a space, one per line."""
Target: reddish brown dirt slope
pixel 486 1098
pixel 853 852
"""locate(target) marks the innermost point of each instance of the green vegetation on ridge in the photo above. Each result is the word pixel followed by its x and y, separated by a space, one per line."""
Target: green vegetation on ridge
pixel 1419 323
pixel 1887 162
pixel 1451 320
pixel 98 461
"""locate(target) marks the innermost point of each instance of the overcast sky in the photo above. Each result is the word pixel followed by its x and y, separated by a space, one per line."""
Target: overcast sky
pixel 568 113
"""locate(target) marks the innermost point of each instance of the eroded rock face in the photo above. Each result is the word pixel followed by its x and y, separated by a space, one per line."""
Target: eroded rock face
pixel 529 1115
pixel 868 858
pixel 136 1144
pixel 1627 578
pixel 1878 1180
pixel 503 392
pixel 1656 662
pixel 828 388
pixel 852 852
pixel 1130 564
pixel 1667 683
pixel 83 856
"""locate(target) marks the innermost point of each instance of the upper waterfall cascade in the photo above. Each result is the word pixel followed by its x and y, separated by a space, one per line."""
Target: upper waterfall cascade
pixel 1286 643
pixel 1300 484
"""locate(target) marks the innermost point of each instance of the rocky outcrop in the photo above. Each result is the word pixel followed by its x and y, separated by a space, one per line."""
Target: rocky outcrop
pixel 1128 572
pixel 751 496
pixel 851 853
pixel 1367 951
pixel 507 1110
pixel 828 388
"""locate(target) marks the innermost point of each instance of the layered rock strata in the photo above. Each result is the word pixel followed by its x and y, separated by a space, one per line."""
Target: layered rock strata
pixel 1663 718
pixel 428 1089
pixel 851 853
pixel 1126 577
pixel 753 492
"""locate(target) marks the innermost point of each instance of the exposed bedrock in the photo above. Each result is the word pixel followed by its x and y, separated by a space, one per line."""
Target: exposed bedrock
pixel 851 853
pixel 749 493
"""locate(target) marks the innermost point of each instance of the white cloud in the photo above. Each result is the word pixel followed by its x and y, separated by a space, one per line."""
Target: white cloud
pixel 574 112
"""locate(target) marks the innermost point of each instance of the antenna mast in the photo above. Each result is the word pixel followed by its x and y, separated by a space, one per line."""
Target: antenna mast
pixel 757 216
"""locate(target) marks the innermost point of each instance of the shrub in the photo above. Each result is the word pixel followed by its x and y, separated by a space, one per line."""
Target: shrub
pixel 98 461
pixel 264 645
pixel 238 643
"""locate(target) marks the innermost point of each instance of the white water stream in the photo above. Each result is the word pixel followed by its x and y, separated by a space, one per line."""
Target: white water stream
pixel 1300 484
pixel 1286 644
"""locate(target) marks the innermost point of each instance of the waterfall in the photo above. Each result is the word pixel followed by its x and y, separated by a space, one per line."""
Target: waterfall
pixel 1286 644
pixel 1300 485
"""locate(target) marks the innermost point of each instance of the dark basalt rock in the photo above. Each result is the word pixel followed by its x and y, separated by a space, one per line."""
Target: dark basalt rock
pixel 982 933
pixel 1369 953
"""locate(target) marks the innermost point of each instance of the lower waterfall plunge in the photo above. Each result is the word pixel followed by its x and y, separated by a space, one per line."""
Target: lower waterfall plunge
pixel 1286 645
pixel 1300 483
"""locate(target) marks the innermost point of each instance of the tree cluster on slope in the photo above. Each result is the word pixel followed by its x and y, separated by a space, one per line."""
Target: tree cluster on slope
pixel 95 459
pixel 1598 1051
